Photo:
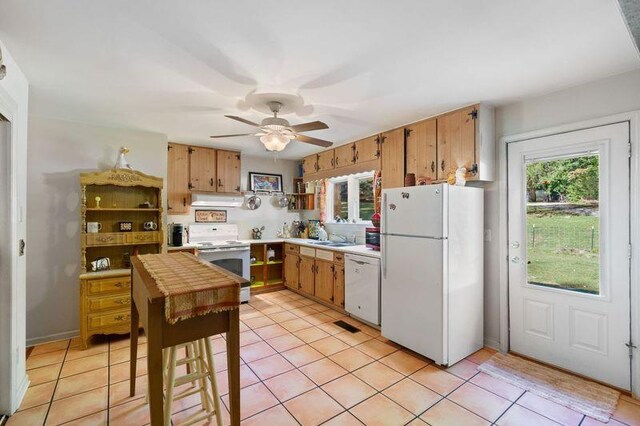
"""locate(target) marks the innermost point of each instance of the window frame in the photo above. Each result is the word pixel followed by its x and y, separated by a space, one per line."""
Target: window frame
pixel 353 197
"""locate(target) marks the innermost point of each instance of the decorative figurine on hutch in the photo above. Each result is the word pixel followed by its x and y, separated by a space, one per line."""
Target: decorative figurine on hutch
pixel 98 202
pixel 121 162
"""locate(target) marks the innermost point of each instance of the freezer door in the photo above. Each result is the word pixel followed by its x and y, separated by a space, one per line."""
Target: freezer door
pixel 412 294
pixel 416 210
pixel 362 287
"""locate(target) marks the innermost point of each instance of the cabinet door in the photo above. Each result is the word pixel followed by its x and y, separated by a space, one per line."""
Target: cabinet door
pixel 326 160
pixel 368 149
pixel 307 274
pixel 228 171
pixel 202 169
pixel 291 270
pixel 456 141
pixel 393 159
pixel 338 285
pixel 178 195
pixel 324 280
pixel 420 145
pixel 345 155
pixel 310 164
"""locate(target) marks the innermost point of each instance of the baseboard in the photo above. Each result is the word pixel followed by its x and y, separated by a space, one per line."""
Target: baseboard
pixel 22 391
pixel 52 337
pixel 492 343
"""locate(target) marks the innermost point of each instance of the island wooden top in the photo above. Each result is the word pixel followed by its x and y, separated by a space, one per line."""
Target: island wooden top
pixel 186 285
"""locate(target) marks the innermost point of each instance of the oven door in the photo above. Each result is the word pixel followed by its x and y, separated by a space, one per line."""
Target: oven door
pixel 233 259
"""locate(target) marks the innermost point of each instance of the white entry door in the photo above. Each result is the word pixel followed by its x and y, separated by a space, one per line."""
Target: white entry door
pixel 569 252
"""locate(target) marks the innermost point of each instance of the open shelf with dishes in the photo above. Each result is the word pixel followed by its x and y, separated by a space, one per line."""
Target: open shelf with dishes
pixel 299 199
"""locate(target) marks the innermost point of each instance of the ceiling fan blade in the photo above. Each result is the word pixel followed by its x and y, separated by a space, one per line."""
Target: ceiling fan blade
pixel 307 127
pixel 313 141
pixel 232 136
pixel 242 120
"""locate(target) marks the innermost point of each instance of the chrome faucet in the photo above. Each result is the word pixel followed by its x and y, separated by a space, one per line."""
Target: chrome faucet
pixel 345 239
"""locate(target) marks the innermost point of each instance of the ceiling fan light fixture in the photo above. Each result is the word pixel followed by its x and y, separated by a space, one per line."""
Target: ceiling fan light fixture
pixel 275 141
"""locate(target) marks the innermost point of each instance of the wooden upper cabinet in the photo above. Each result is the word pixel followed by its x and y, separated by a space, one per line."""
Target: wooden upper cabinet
pixel 202 164
pixel 393 159
pixel 310 164
pixel 326 160
pixel 345 155
pixel 307 274
pixel 324 280
pixel 178 195
pixel 456 141
pixel 228 171
pixel 368 149
pixel 420 145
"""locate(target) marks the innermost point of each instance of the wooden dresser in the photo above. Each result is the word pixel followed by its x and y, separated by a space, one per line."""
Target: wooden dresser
pixel 105 297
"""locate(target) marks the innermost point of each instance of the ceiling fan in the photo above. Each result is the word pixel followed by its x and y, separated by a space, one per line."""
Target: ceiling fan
pixel 275 132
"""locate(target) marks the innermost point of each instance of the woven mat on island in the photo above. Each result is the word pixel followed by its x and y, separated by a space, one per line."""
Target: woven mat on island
pixel 192 287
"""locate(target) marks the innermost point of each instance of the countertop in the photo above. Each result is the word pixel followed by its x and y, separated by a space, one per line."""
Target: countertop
pixel 360 249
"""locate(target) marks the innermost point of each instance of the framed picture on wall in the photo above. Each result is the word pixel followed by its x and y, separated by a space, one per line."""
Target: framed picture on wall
pixel 265 182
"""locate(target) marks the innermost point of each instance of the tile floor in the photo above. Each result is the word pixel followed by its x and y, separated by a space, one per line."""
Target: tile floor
pixel 297 368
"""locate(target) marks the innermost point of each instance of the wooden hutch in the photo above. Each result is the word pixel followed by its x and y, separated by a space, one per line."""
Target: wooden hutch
pixel 124 196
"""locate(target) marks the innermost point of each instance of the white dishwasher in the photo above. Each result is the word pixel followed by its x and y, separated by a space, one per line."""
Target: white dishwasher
pixel 362 287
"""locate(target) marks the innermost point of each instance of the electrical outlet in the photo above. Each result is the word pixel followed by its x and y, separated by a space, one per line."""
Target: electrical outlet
pixel 487 234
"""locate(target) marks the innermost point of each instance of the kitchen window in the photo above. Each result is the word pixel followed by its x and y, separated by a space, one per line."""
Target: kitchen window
pixel 350 198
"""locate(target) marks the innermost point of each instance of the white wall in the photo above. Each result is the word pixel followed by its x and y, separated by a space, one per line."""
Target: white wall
pixel 58 152
pixel 601 98
pixel 14 98
pixel 268 215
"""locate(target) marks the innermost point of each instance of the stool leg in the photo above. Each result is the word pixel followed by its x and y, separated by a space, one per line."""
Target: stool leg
pixel 212 378
pixel 170 382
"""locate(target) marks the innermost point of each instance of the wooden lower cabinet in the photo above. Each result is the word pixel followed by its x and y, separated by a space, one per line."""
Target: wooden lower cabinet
pixel 338 285
pixel 105 304
pixel 291 270
pixel 324 280
pixel 307 275
pixel 315 276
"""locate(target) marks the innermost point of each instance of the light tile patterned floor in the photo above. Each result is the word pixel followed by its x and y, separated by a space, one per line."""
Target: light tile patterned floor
pixel 297 368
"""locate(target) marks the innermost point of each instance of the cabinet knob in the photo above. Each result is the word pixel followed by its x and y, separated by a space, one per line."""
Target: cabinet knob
pixel 433 167
pixel 442 165
pixel 219 182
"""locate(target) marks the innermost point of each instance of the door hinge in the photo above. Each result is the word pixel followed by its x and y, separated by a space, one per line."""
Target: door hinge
pixel 191 150
pixel 169 147
pixel 474 114
pixel 407 132
pixel 631 347
pixel 630 251
pixel 190 185
pixel 629 149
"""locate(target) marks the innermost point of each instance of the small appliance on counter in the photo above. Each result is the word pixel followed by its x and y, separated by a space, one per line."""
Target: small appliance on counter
pixel 177 236
pixel 372 238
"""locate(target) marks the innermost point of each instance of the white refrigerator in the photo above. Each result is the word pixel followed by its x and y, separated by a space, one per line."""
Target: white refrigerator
pixel 432 270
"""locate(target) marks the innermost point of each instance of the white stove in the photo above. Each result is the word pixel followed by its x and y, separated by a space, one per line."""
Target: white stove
pixel 218 244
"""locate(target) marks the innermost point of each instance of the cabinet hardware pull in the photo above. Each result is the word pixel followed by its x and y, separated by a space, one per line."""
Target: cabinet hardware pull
pixel 219 182
pixel 121 301
pixel 184 201
pixel 119 285
pixel 104 239
pixel 442 166
pixel 121 317
pixel 332 162
pixel 355 157
pixel 337 160
pixel 211 182
pixel 433 167
pixel 238 188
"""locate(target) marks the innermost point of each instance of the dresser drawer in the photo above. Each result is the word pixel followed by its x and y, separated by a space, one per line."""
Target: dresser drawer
pixel 143 237
pixel 106 239
pixel 291 248
pixel 338 257
pixel 110 303
pixel 112 319
pixel 109 285
pixel 324 255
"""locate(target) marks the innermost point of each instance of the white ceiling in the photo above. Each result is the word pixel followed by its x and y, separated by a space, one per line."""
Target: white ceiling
pixel 177 67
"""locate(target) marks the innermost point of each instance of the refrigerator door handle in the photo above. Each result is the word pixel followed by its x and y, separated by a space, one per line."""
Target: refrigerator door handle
pixel 384 257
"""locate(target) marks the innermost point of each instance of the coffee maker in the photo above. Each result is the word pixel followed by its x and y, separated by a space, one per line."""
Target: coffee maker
pixel 177 234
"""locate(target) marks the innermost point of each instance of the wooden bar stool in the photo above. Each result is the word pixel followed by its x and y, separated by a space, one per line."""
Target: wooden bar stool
pixel 198 356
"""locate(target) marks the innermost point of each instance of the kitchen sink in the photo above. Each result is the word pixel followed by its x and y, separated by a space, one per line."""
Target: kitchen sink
pixel 333 244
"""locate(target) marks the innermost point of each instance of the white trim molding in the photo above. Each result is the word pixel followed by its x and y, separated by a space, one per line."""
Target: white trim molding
pixel 633 118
